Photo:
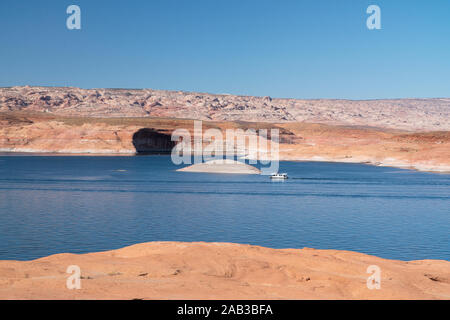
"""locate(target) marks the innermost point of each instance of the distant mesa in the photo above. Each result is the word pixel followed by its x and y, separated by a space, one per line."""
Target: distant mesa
pixel 406 114
pixel 222 166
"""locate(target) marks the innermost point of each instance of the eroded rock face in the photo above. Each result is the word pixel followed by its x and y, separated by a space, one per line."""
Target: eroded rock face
pixel 428 151
pixel 408 114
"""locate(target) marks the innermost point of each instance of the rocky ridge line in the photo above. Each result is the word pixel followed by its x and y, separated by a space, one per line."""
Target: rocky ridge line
pixel 406 114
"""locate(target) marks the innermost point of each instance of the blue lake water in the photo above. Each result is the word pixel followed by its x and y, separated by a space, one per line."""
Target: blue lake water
pixel 78 204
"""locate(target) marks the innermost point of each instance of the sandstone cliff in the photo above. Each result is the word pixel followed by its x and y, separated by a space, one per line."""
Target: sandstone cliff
pixel 411 133
pixel 43 132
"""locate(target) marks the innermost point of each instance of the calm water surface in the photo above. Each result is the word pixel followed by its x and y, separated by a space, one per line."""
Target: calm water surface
pixel 54 204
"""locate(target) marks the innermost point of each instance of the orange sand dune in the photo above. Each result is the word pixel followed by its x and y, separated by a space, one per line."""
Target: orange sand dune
pixel 171 270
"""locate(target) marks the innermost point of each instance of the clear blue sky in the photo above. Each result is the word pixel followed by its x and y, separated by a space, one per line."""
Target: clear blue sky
pixel 298 48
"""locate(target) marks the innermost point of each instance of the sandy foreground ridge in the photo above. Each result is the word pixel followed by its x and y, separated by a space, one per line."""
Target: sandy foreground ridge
pixel 177 270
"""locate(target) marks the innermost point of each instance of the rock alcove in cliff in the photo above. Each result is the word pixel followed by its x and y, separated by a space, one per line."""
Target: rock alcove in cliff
pixel 148 140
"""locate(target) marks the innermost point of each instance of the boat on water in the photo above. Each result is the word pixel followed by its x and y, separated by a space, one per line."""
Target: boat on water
pixel 279 176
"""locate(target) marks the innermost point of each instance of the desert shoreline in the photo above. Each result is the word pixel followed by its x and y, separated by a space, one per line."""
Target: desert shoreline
pixel 202 270
pixel 45 133
pixel 441 169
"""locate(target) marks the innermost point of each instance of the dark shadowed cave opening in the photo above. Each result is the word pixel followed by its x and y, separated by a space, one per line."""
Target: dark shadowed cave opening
pixel 151 141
